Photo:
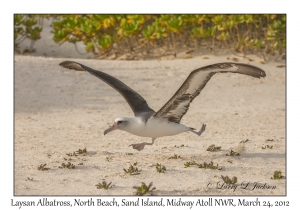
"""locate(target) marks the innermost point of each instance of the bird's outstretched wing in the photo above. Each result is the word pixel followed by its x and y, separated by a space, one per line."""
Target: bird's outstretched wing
pixel 179 104
pixel 137 103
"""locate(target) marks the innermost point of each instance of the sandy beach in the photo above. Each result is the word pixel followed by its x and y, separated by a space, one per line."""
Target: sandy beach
pixel 58 111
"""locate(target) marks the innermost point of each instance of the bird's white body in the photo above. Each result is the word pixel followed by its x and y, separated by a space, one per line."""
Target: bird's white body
pixel 153 128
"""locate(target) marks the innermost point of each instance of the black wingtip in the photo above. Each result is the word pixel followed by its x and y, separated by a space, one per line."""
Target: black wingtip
pixel 71 65
pixel 251 70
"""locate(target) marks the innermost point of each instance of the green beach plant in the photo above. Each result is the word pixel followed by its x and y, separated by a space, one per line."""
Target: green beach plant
pixel 160 168
pixel 277 175
pixel 188 164
pixel 69 165
pixel 144 35
pixel 209 166
pixel 267 147
pixel 144 189
pixel 132 170
pixel 233 153
pixel 42 167
pixel 227 180
pixel 175 156
pixel 27 27
pixel 213 148
pixel 104 185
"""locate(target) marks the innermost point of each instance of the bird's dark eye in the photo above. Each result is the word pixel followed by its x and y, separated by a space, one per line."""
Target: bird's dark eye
pixel 119 122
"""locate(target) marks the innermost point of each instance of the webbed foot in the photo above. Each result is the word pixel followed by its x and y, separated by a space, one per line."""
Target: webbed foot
pixel 141 146
pixel 201 130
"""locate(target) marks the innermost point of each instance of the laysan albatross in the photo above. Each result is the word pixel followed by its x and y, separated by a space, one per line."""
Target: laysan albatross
pixel 166 121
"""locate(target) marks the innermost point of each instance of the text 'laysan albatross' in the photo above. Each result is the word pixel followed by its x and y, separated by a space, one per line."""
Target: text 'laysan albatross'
pixel 166 121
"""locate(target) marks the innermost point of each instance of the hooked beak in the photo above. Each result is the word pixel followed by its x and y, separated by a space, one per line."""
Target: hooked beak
pixel 112 128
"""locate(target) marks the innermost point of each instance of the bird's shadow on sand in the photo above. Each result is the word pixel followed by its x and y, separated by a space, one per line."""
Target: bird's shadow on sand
pixel 264 155
pixel 91 153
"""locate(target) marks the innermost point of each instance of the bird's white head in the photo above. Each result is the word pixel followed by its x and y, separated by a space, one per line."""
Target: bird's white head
pixel 120 123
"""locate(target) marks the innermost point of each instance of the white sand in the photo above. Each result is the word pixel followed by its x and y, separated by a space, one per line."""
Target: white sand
pixel 58 111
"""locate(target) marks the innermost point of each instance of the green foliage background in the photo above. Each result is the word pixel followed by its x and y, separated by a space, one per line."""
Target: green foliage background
pixel 142 35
